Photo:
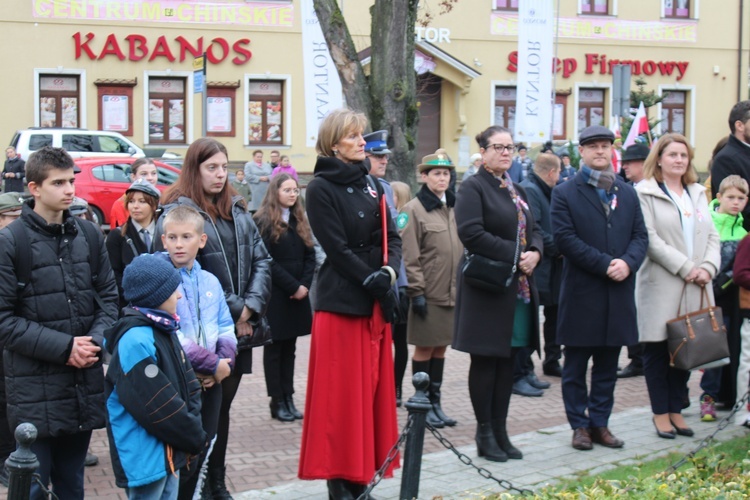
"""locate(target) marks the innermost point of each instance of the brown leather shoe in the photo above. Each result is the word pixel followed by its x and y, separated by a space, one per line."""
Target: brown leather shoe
pixel 603 436
pixel 582 439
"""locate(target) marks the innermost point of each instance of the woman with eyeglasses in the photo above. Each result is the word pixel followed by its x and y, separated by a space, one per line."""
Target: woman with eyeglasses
pixel 288 238
pixel 494 221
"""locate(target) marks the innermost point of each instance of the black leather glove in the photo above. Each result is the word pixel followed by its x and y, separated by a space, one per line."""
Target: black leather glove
pixel 389 306
pixel 403 305
pixel 378 283
pixel 419 306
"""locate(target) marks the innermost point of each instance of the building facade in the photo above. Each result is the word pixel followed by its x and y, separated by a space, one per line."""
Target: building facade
pixel 130 66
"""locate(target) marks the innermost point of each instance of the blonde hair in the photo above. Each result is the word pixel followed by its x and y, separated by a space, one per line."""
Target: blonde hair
pixel 652 168
pixel 183 214
pixel 736 182
pixel 335 126
pixel 402 191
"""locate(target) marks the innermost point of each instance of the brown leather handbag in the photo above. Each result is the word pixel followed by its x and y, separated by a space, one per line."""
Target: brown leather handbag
pixel 697 340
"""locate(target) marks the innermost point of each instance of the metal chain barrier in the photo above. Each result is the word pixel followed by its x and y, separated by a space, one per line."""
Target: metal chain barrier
pixel 504 483
pixel 47 493
pixel 723 424
pixel 392 454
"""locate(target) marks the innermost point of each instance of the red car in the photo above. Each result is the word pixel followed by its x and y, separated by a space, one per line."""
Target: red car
pixel 102 181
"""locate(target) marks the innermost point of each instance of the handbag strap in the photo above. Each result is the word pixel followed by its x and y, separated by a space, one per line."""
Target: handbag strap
pixel 517 253
pixel 683 299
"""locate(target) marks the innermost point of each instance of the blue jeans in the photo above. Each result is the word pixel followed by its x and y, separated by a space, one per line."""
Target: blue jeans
pixel 163 489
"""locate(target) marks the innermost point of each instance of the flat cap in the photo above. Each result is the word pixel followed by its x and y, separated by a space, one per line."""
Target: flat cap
pixel 377 143
pixel 636 152
pixel 595 133
pixel 438 160
pixel 10 203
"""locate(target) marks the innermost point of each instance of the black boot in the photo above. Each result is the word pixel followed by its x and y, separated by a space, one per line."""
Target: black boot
pixel 217 484
pixel 338 490
pixel 279 411
pixel 501 436
pixel 292 409
pixel 398 397
pixel 487 445
pixel 424 366
pixel 436 380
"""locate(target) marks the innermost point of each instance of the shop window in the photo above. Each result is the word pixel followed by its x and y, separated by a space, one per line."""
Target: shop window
pixel 166 111
pixel 590 108
pixel 221 102
pixel 59 101
pixel 265 114
pixel 673 112
pixel 559 112
pixel 505 107
pixel 595 7
pixel 115 100
pixel 505 5
pixel 679 9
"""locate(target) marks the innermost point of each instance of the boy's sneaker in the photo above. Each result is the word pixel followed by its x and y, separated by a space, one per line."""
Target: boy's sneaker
pixel 708 409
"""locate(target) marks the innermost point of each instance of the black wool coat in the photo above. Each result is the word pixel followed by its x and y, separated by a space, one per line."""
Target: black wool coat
pixel 548 274
pixel 293 266
pixel 345 216
pixel 121 253
pixel 488 225
pixel 733 159
pixel 18 167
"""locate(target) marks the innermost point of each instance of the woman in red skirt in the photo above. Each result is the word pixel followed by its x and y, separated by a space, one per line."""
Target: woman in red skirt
pixel 350 414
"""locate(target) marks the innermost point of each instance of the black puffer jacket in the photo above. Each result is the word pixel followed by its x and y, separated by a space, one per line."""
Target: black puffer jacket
pixel 37 330
pixel 253 262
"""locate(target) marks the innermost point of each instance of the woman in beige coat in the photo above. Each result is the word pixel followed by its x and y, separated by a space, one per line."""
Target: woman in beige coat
pixel 683 252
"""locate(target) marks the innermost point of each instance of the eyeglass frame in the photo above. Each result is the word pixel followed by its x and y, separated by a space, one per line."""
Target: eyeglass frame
pixel 510 149
pixel 291 191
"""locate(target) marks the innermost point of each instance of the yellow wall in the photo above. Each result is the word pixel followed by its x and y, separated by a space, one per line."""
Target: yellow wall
pixel 31 42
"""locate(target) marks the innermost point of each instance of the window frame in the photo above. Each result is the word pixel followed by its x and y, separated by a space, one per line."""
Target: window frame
pixel 608 119
pixel 611 8
pixel 115 89
pixel 188 110
pixel 496 102
pixel 690 107
pixel 58 96
pixel 692 8
pixel 286 109
pixel 166 98
pixel 508 8
pixel 228 91
pixel 82 92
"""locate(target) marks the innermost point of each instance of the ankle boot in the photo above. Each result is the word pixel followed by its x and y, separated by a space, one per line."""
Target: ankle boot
pixel 436 380
pixel 338 490
pixel 279 411
pixel 217 484
pixel 292 409
pixel 487 445
pixel 503 441
pixel 432 419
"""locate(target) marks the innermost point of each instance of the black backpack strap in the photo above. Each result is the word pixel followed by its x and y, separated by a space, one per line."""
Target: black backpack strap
pixel 91 233
pixel 23 254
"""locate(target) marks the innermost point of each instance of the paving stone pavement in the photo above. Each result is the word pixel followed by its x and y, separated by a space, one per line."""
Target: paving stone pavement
pixel 263 453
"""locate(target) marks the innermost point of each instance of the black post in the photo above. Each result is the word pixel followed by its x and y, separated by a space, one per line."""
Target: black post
pixel 418 406
pixel 22 463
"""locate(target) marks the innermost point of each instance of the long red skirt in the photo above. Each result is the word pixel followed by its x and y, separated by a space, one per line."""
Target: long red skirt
pixel 350 410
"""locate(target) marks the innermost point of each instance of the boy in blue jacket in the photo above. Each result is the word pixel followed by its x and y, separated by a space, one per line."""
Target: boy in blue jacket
pixel 152 394
pixel 206 326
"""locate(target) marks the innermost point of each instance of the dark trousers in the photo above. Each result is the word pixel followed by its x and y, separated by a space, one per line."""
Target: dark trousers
pixel 7 441
pixel 635 354
pixel 401 355
pixel 576 395
pixel 552 350
pixel 61 462
pixel 667 386
pixel 490 386
pixel 522 363
pixel 278 364
pixel 229 388
pixel 210 406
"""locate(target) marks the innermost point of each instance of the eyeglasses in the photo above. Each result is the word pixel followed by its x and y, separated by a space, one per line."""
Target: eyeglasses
pixel 500 147
pixel 290 191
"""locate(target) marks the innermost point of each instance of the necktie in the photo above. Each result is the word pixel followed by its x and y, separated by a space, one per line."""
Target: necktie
pixel 146 239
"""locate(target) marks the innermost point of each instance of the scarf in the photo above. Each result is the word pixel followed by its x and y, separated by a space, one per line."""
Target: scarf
pixel 602 180
pixel 524 289
pixel 162 319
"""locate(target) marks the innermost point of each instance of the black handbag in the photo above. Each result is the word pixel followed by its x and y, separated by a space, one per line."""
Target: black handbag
pixel 261 336
pixel 491 275
pixel 697 340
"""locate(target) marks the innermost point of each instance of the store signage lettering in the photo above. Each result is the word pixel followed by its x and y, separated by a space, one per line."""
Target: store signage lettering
pixel 136 47
pixel 432 35
pixel 598 63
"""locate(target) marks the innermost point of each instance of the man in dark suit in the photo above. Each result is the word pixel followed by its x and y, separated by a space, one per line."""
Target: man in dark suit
pixel 598 227
pixel 734 158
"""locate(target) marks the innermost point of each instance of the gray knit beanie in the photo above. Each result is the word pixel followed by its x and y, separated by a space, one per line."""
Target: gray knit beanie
pixel 149 281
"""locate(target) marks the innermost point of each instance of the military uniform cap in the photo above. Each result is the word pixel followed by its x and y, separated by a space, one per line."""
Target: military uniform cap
pixel 377 143
pixel 438 160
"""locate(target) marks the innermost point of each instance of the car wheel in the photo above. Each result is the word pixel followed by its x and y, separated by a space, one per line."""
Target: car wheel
pixel 98 215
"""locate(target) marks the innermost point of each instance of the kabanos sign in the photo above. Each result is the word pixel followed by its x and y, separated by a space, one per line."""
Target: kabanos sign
pixel 598 63
pixel 137 47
